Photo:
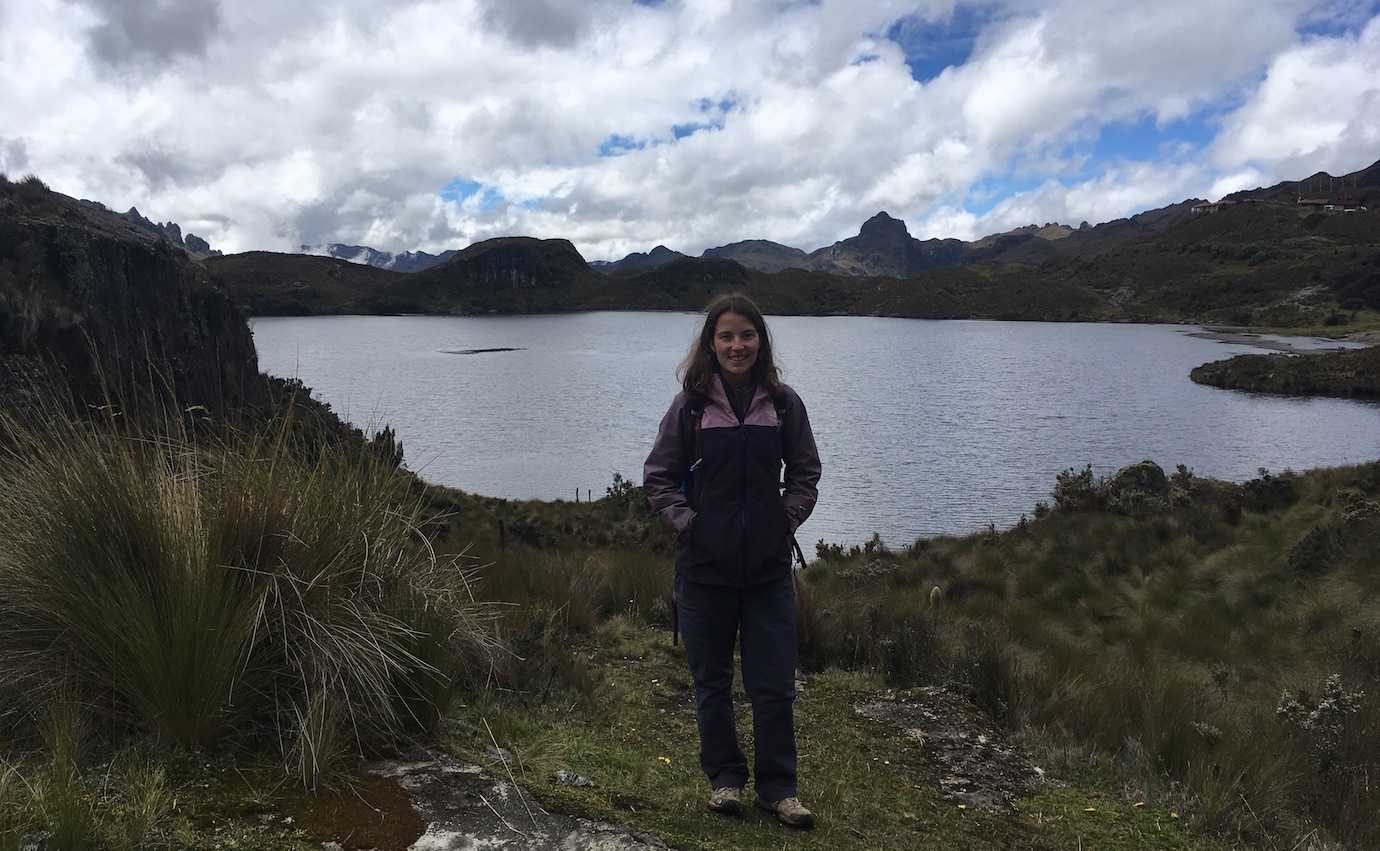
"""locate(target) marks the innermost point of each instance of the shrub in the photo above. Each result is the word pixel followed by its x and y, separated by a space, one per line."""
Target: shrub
pixel 200 584
pixel 1076 490
pixel 1320 722
pixel 1317 549
pixel 990 671
pixel 1269 492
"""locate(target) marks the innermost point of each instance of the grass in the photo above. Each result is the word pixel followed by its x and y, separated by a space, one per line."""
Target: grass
pixel 1166 637
pixel 216 588
pixel 1355 321
pixel 871 787
pixel 1155 630
pixel 278 606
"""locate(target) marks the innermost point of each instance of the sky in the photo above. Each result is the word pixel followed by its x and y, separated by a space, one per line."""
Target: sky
pixel 621 125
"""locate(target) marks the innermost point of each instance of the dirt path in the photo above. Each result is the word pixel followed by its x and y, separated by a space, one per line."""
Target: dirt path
pixel 976 767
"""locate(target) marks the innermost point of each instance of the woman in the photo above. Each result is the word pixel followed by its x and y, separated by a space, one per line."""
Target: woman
pixel 714 477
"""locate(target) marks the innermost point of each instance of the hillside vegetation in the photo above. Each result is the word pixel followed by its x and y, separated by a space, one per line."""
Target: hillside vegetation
pixel 1211 650
pixel 1347 374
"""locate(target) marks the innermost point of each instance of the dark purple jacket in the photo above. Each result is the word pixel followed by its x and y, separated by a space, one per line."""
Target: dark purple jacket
pixel 733 523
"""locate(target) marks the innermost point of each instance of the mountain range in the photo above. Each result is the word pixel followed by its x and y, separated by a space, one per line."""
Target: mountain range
pixel 1286 255
pixel 884 246
pixel 1261 258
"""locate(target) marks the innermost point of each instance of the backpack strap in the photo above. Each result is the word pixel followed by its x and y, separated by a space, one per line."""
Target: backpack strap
pixel 691 448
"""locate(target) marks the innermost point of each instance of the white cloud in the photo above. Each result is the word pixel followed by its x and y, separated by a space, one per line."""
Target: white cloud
pixel 1318 108
pixel 1246 178
pixel 278 124
pixel 1118 192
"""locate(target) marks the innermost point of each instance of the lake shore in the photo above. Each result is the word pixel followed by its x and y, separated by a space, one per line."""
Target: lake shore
pixel 1278 342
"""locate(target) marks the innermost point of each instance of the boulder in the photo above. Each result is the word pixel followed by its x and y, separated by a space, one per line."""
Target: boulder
pixel 1143 478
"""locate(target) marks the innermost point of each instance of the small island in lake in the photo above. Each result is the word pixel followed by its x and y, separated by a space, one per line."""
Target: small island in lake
pixel 1351 374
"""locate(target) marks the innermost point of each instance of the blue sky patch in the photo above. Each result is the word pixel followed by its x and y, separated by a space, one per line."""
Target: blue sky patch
pixel 724 104
pixel 616 145
pixel 1145 139
pixel 680 131
pixel 989 192
pixel 1339 19
pixel 932 46
pixel 461 189
pixel 1138 141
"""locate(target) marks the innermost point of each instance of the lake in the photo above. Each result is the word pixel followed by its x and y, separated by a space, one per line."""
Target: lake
pixel 924 427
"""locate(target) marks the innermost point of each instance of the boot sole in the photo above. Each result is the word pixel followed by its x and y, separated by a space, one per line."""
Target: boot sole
pixel 728 808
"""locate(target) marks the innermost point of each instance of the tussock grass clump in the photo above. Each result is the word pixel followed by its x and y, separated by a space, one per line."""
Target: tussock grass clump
pixel 207 586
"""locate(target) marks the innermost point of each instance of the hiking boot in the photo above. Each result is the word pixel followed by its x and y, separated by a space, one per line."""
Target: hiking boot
pixel 726 800
pixel 790 812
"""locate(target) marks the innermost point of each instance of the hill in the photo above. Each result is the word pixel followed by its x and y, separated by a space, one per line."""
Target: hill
pixel 659 256
pixel 516 274
pixel 1360 187
pixel 883 247
pixel 103 300
pixel 760 254
pixel 270 284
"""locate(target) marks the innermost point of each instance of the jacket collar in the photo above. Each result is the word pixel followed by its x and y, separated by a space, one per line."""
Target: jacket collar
pixel 719 412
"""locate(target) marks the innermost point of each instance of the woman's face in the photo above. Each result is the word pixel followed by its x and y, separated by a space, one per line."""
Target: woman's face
pixel 735 346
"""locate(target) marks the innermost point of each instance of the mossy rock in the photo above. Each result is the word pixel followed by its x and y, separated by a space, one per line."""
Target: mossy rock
pixel 1143 477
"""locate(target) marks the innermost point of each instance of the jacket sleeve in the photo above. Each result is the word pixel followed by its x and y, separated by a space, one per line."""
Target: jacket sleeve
pixel 664 471
pixel 802 463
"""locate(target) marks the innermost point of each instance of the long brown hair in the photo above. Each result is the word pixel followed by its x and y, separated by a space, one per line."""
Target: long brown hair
pixel 700 363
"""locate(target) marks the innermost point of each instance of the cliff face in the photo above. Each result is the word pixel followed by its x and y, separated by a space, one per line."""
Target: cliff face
pixel 87 292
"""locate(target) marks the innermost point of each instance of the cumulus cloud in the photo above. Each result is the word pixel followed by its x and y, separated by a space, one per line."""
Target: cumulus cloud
pixel 153 31
pixel 1116 193
pixel 269 125
pixel 1318 108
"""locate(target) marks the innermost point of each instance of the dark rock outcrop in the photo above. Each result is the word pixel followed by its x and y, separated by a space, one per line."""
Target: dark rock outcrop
pixel 107 303
pixel 883 247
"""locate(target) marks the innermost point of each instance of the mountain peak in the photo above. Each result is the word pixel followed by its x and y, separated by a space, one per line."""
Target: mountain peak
pixel 883 224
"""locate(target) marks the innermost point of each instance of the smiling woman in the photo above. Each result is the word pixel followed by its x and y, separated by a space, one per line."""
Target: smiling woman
pixel 714 477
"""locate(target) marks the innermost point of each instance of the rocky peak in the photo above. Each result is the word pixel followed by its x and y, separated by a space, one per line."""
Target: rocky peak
pixel 171 231
pixel 883 226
